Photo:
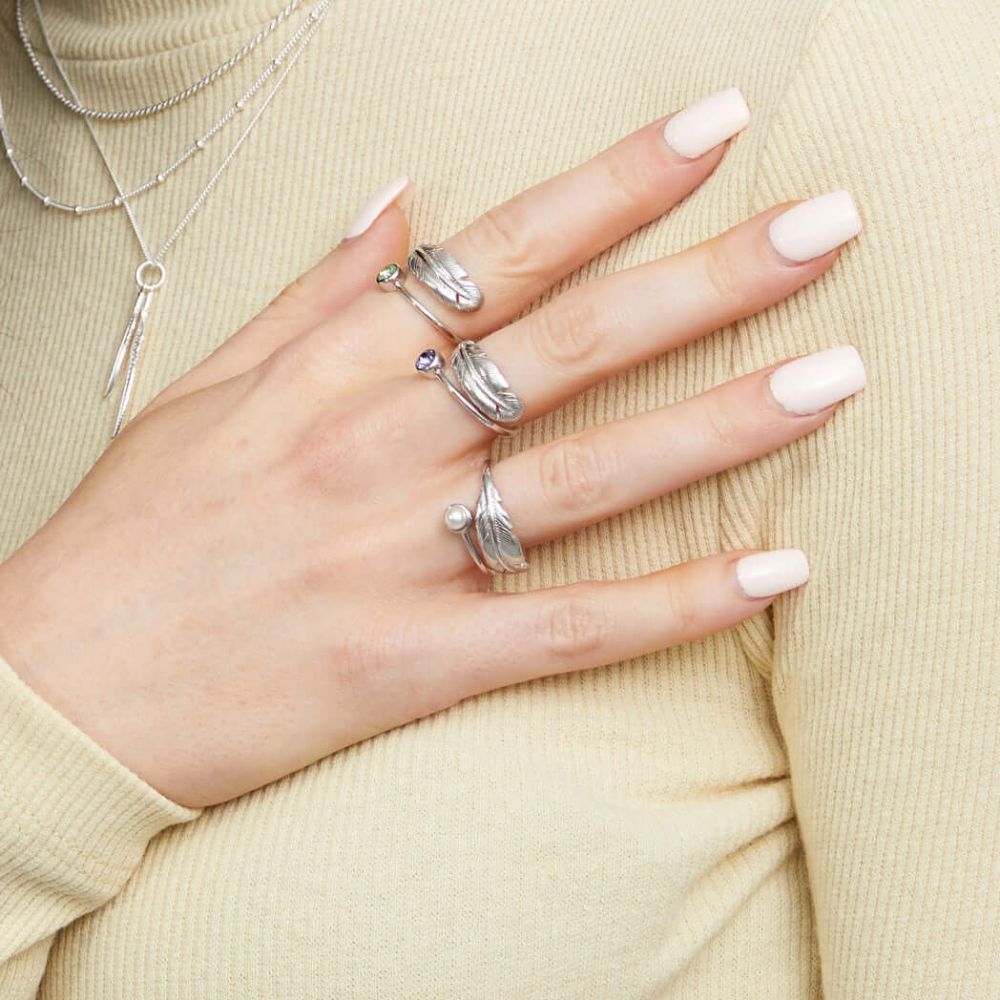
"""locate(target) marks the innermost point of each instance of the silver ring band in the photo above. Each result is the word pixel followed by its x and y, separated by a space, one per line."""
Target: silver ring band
pixel 438 271
pixel 496 547
pixel 457 395
pixel 391 277
pixel 476 383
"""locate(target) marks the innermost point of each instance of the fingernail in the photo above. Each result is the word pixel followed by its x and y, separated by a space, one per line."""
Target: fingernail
pixel 814 227
pixel 807 385
pixel 375 206
pixel 764 574
pixel 704 124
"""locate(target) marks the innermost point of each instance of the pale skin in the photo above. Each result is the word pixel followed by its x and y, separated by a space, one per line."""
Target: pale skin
pixel 255 573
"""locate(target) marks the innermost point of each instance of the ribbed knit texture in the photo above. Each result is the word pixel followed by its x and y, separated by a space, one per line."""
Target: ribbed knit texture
pixel 639 831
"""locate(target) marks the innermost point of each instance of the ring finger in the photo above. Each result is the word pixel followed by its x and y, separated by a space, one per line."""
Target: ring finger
pixel 561 486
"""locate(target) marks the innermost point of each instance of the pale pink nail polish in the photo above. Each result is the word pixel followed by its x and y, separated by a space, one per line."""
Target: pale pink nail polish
pixel 703 125
pixel 811 383
pixel 764 574
pixel 375 206
pixel 814 227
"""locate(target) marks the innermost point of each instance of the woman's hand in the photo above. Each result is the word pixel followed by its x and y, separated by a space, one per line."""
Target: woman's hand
pixel 257 573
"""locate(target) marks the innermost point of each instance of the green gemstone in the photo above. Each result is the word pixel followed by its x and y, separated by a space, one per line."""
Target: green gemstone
pixel 388 273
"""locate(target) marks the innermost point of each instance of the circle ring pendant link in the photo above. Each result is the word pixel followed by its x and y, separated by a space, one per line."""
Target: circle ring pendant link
pixel 142 278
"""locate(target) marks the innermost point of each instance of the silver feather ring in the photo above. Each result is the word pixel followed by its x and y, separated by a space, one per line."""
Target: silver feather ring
pixel 476 383
pixel 438 271
pixel 488 534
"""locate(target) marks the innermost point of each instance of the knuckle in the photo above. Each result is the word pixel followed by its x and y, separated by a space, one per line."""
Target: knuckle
pixel 682 607
pixel 569 333
pixel 726 278
pixel 339 450
pixel 321 356
pixel 577 623
pixel 628 176
pixel 288 362
pixel 726 430
pixel 576 474
pixel 372 664
pixel 294 292
pixel 291 302
pixel 505 237
pixel 404 685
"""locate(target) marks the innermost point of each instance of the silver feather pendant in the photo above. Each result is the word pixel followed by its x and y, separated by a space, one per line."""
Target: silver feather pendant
pixel 130 345
pixel 438 270
pixel 485 383
pixel 500 547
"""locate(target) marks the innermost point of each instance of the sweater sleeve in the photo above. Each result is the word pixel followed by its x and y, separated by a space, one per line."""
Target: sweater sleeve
pixel 74 823
pixel 885 667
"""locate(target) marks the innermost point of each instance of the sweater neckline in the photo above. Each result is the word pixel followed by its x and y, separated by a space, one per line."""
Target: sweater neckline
pixel 109 30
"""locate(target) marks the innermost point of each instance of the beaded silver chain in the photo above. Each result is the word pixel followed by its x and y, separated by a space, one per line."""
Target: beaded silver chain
pixel 151 274
pixel 160 176
pixel 71 103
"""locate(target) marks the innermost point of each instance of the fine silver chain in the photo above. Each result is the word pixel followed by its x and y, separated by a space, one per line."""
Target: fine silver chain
pixel 196 147
pixel 72 103
pixel 151 273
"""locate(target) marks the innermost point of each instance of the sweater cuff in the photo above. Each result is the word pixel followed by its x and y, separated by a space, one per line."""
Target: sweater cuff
pixel 66 804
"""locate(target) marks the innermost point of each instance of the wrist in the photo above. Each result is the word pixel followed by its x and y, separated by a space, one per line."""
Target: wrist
pixel 37 628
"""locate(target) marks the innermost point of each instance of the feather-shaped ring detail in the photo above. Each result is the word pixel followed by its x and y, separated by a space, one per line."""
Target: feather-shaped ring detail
pixel 496 547
pixel 476 383
pixel 438 270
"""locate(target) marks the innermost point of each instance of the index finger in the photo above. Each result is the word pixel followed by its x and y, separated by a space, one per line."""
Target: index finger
pixel 518 249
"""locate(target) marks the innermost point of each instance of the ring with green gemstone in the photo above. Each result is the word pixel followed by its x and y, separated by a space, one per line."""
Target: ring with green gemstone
pixel 391 277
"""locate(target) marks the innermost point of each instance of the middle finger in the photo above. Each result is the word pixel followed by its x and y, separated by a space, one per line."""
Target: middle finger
pixel 613 323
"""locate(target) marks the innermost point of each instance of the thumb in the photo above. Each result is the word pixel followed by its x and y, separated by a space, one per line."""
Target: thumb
pixel 379 234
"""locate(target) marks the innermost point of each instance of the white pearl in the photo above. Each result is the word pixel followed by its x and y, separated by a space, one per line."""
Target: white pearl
pixel 457 518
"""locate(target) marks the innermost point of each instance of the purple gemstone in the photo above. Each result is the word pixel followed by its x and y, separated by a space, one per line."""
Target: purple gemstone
pixel 428 360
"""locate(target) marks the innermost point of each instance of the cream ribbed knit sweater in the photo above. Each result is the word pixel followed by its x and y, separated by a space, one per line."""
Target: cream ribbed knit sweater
pixel 805 804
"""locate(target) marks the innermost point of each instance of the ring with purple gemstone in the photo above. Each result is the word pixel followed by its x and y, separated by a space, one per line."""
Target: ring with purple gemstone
pixel 391 277
pixel 475 382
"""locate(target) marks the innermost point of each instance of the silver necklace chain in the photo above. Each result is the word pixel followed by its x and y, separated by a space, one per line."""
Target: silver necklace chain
pixel 72 103
pixel 151 273
pixel 160 176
